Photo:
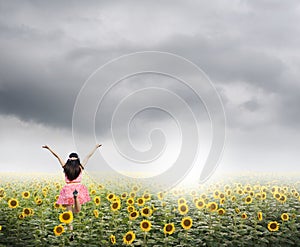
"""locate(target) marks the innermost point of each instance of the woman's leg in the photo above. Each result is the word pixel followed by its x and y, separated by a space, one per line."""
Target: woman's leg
pixel 77 206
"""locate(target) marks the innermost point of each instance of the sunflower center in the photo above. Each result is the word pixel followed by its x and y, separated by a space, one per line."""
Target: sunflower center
pixel 183 208
pixel 145 225
pixel 115 205
pixel 66 216
pixel 169 228
pixel 59 229
pixel 273 226
pixel 187 222
pixel 13 203
pixel 133 214
pixel 146 211
pixel 128 237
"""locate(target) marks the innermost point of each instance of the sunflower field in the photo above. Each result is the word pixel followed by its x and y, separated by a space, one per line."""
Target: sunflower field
pixel 237 211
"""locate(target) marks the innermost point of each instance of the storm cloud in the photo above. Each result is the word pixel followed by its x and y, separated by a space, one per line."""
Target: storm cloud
pixel 249 50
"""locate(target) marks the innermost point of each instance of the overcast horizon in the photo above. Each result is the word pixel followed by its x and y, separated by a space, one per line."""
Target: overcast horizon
pixel 248 49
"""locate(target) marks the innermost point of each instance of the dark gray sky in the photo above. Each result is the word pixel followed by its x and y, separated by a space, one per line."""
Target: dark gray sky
pixel 248 48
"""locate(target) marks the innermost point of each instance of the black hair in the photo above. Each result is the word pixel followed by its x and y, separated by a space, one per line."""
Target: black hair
pixel 73 168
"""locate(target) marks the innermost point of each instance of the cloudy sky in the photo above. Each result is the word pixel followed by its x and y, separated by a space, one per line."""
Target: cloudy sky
pixel 249 50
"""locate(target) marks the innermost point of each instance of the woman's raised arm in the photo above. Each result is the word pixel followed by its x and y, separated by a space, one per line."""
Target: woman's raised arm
pixel 55 154
pixel 90 155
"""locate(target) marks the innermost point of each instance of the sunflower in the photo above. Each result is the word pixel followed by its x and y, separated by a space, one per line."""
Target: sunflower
pixel 113 239
pixel 58 230
pixel 212 206
pixel 186 223
pixel 27 211
pixel 147 196
pixel 145 225
pixel 116 199
pixel 66 217
pixel 222 201
pixel 93 192
pixel 200 204
pixel 181 200
pixel 123 196
pixel 96 213
pixel 38 201
pixel 285 217
pixel 146 211
pixel 2 194
pixel 160 195
pixel 13 203
pixel 183 209
pixel 203 196
pixel 55 205
pixel 247 188
pixel 233 198
pixel 130 208
pixel 21 216
pixel 216 194
pixel 132 194
pixel 26 194
pixel 133 215
pixel 116 205
pixel 263 189
pixel 244 216
pixel 258 195
pixel 193 193
pixel 110 196
pixel 135 188
pixel 276 195
pixel 130 201
pixel 282 198
pixel 169 228
pixel 97 200
pixel 0 228
pixel 56 197
pixel 221 211
pixel 222 196
pixel 240 191
pixel 140 201
pixel 228 192
pixel 259 216
pixel 248 199
pixel 273 226
pixel 129 237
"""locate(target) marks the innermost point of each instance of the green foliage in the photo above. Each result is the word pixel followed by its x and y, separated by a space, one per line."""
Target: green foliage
pixel 208 229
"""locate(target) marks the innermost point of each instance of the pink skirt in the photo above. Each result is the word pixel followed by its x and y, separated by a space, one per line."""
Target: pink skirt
pixel 66 194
